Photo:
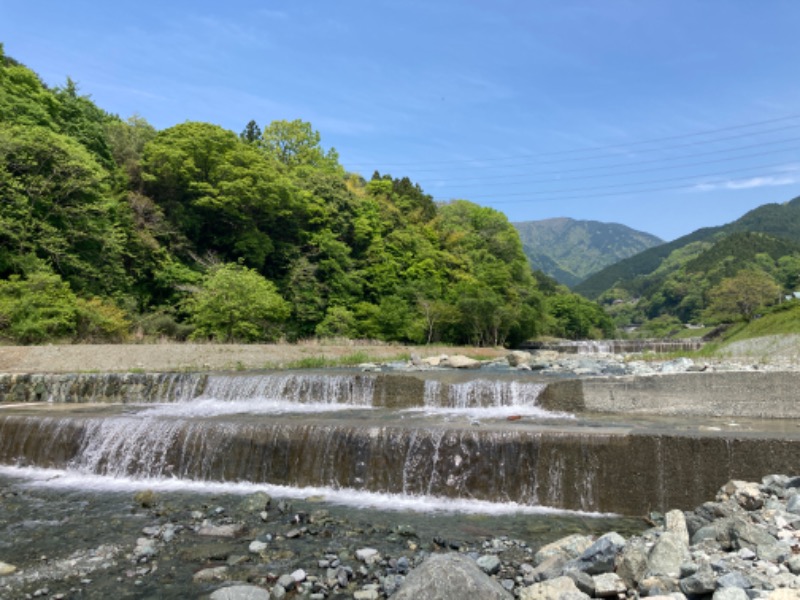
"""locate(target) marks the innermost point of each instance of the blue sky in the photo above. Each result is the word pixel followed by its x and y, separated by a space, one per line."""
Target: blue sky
pixel 665 116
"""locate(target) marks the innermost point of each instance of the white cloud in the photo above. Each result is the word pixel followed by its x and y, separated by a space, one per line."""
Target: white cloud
pixel 749 183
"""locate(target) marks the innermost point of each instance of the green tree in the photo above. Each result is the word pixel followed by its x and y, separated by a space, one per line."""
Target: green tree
pixel 296 143
pixel 251 133
pixel 742 295
pixel 36 309
pixel 235 303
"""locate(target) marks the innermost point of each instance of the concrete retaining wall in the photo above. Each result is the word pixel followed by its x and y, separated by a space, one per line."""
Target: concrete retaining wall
pixel 727 394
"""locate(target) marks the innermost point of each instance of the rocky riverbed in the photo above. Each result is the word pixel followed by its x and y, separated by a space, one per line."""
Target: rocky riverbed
pixel 744 544
pixel 72 543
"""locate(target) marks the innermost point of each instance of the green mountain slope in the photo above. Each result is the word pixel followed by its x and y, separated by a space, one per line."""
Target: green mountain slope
pixel 777 220
pixel 571 250
pixel 683 281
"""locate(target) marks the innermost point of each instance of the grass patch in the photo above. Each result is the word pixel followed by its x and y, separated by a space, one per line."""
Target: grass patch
pixel 347 360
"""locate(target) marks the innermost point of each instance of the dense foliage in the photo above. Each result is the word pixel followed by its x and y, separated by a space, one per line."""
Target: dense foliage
pixel 109 228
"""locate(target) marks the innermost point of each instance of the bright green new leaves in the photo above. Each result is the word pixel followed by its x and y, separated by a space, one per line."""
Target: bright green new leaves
pixel 297 144
pixel 739 297
pixel 236 304
pixel 57 210
pixel 43 307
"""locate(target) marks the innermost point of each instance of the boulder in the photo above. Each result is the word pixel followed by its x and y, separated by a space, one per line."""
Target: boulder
pixel 600 556
pixel 519 358
pixel 553 589
pixel 459 361
pixel 608 585
pixel 745 493
pixel 667 555
pixel 730 593
pixel 675 522
pixel 569 548
pixel 631 565
pixel 447 576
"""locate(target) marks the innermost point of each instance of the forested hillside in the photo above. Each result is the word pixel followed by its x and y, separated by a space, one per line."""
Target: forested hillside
pixel 570 250
pixel 111 229
pixel 712 275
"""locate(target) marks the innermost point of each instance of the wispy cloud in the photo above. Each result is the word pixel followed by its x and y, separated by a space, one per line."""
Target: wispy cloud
pixel 749 183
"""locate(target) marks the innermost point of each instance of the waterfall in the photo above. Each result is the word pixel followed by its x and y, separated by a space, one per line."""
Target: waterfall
pixel 486 398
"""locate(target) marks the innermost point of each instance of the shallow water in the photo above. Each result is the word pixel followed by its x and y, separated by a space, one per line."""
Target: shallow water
pixel 44 523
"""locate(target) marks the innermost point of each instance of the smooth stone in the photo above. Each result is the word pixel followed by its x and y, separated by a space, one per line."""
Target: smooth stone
pixel 257 547
pixel 227 531
pixel 240 592
pixel 459 361
pixel 368 555
pixel 7 569
pixel 730 593
pixel 608 585
pixel 489 563
pixel 211 574
pixel 448 576
pixel 558 588
pixel 256 502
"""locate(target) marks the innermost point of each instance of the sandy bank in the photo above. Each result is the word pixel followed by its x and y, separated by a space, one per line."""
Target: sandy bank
pixel 177 357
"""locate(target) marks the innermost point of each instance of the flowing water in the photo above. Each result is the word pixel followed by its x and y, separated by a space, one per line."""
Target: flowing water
pixel 460 458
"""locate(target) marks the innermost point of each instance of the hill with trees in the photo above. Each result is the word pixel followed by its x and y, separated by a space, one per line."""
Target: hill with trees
pixel 685 281
pixel 111 229
pixel 570 250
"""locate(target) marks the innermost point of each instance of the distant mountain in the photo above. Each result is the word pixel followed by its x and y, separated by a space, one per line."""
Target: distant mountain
pixel 639 273
pixel 570 250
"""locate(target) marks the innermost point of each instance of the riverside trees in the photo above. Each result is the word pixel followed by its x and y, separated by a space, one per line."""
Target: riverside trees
pixel 235 237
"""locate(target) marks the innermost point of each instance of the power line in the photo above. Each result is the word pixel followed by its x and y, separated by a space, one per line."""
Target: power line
pixel 508 176
pixel 608 146
pixel 554 195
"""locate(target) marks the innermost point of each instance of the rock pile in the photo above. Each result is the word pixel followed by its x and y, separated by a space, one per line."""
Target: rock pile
pixel 744 545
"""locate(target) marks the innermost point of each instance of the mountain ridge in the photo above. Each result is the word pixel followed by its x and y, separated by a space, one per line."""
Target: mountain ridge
pixel 570 250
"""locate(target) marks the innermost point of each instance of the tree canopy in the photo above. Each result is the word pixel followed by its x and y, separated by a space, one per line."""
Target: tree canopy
pixel 197 230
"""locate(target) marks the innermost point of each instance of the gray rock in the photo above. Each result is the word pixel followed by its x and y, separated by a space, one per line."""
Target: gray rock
pixel 256 502
pixel 675 522
pixel 488 563
pixel 240 592
pixel 667 556
pixel 600 556
pixel 730 593
pixel 287 582
pixel 569 548
pixel 794 565
pixel 744 534
pixel 631 565
pixel 734 580
pixel 391 583
pixel 560 588
pixel 459 361
pixel 702 582
pixel 793 505
pixel 518 358
pixel 659 585
pixel 278 592
pixel 583 581
pixel 745 493
pixel 550 568
pixel 608 585
pixel 447 576
pixel 368 555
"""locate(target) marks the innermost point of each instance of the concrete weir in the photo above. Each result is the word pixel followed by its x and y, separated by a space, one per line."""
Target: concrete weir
pixel 610 445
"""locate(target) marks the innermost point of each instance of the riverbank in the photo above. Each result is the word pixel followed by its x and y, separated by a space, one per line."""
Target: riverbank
pixel 81 358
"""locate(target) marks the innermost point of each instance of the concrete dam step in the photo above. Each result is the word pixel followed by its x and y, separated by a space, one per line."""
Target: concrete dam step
pixel 623 471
